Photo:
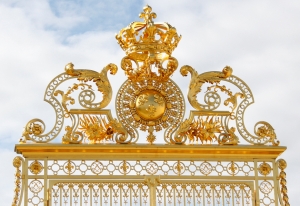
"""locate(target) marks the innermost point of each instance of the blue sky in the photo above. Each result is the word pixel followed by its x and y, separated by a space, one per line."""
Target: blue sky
pixel 258 39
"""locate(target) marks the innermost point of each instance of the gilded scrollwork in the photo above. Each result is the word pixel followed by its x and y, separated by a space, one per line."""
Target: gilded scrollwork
pixel 149 100
pixel 233 98
pixel 266 132
pixel 238 102
pixel 228 138
pixel 101 80
pixel 198 80
pixel 66 98
pixel 35 128
pixel 72 137
pixel 150 104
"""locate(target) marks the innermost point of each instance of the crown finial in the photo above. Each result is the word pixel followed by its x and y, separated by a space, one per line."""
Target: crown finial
pixel 147 15
pixel 148 46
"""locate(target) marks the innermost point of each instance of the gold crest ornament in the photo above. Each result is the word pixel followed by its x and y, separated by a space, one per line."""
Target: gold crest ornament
pixel 145 151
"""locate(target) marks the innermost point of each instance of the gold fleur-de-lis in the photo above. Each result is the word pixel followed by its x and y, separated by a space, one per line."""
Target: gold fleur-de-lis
pixel 151 109
pixel 158 99
pixel 142 99
pixel 147 15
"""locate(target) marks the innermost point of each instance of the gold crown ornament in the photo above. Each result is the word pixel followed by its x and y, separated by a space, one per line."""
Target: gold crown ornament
pixel 148 45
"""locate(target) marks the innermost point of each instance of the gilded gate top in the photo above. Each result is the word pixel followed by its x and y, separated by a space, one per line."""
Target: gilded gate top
pixel 149 102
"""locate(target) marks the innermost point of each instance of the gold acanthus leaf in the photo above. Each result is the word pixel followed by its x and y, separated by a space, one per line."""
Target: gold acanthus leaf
pixel 100 78
pixel 198 80
pixel 96 129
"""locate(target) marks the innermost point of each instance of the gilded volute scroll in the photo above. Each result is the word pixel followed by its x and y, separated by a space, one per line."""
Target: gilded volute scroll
pixel 149 101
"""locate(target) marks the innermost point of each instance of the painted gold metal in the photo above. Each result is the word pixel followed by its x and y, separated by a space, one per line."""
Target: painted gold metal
pixel 209 158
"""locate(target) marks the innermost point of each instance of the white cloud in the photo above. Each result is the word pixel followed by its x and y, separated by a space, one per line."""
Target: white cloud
pixel 258 39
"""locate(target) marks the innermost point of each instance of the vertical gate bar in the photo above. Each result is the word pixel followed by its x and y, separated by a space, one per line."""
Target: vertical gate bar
pixel 232 193
pixel 140 191
pixel 91 193
pixel 110 194
pixel 203 196
pixel 152 191
pixel 60 195
pixel 174 197
pixel 275 182
pixel 223 196
pixel 243 197
pixel 26 183
pixel 194 200
pixel 91 186
pixel 130 195
pixel 100 190
pixel 184 200
pixel 80 192
pixel 71 193
pixel 46 189
pixel 213 196
pixel 164 190
pixel 257 200
pixel 121 199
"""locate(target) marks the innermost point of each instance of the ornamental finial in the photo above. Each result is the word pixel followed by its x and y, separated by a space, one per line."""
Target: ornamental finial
pixel 148 46
pixel 147 15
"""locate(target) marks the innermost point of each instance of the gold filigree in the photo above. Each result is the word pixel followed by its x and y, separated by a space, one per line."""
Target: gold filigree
pixel 228 138
pixel 232 168
pixel 34 127
pixel 151 137
pixel 150 106
pixel 66 98
pixel 71 137
pixel 232 97
pixel 198 80
pixel 124 167
pixel 149 101
pixel 101 80
pixel 120 131
pixel 266 130
pixel 69 167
